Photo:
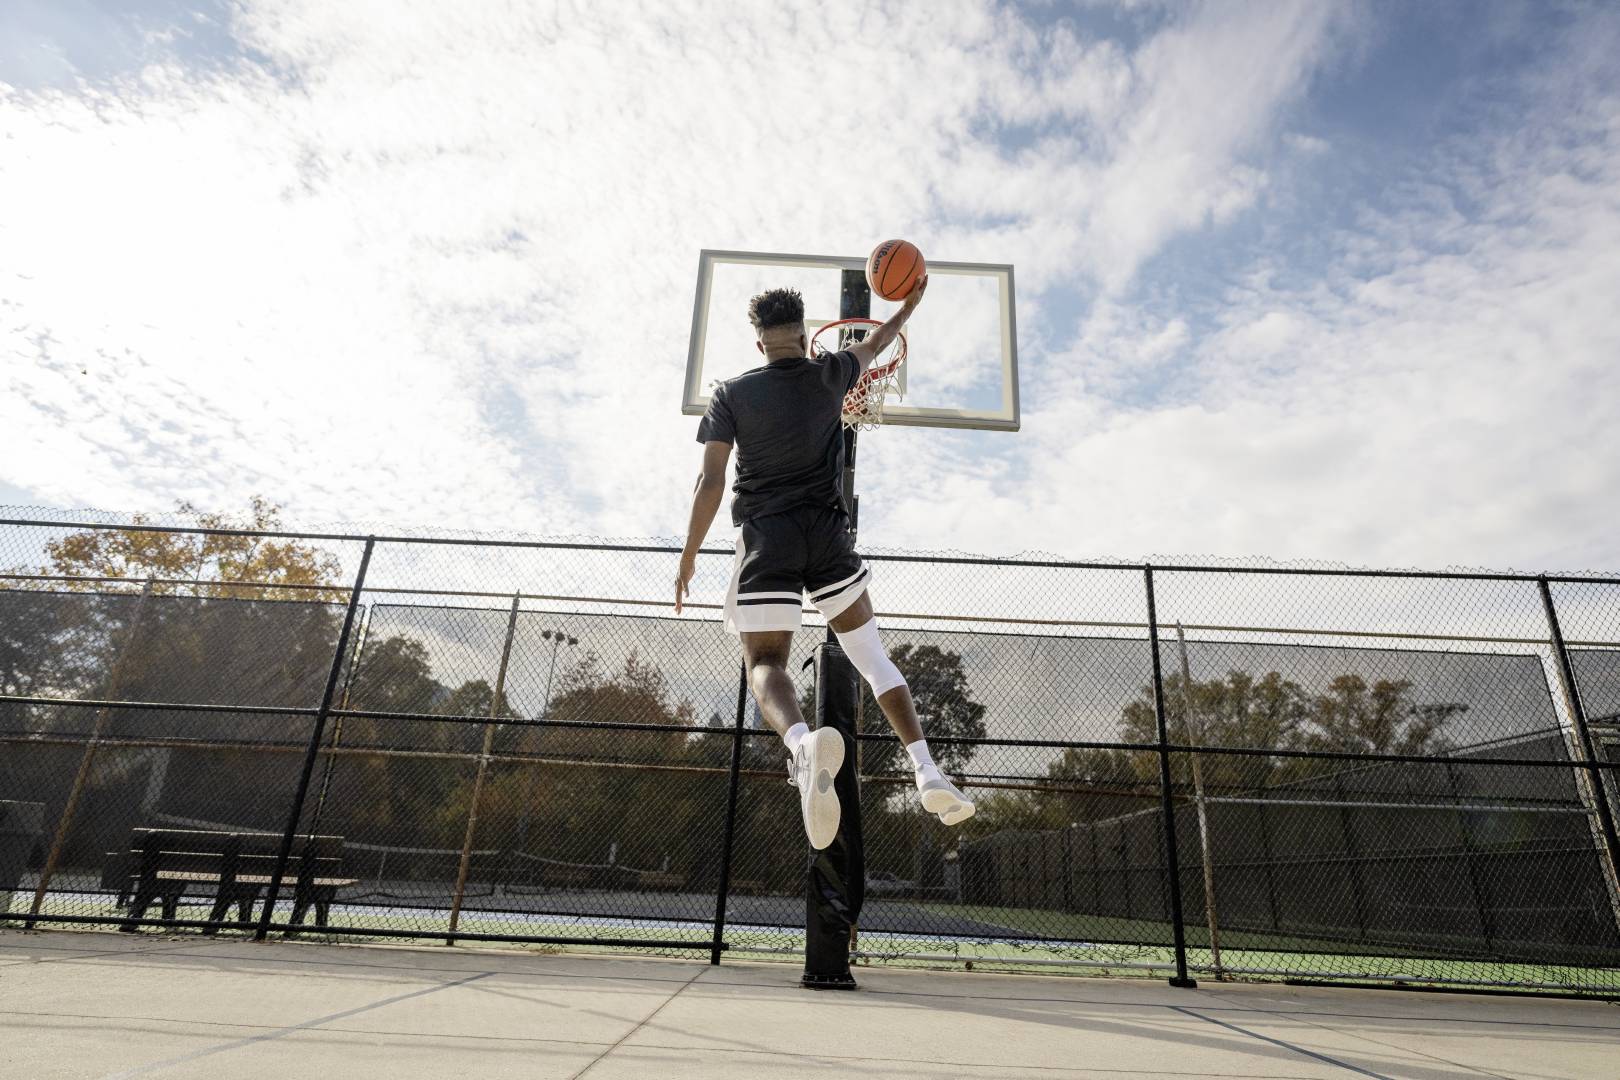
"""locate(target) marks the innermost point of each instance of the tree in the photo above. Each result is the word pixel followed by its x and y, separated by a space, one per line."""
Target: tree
pixel 192 633
pixel 191 564
pixel 416 799
pixel 188 649
pixel 1274 713
pixel 614 791
pixel 1091 784
pixel 1382 719
pixel 1237 710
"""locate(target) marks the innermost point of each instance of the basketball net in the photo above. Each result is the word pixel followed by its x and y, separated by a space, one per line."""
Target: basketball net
pixel 863 405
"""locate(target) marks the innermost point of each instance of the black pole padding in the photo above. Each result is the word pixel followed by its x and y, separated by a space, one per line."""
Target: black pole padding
pixel 854 302
pixel 1178 928
pixel 837 878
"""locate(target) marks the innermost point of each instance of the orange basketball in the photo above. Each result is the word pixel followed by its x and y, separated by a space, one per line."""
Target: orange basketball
pixel 893 268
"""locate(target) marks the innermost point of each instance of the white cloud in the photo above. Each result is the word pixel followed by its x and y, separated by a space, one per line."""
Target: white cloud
pixel 1442 395
pixel 435 268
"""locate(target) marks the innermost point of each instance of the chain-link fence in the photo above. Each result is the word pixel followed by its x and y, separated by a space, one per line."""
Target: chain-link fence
pixel 1316 774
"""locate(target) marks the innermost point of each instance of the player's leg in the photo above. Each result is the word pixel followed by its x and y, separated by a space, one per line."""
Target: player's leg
pixel 857 631
pixel 837 581
pixel 763 607
pixel 814 756
pixel 766 654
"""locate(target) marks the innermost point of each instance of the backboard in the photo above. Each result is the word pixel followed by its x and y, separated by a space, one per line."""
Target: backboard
pixel 962 341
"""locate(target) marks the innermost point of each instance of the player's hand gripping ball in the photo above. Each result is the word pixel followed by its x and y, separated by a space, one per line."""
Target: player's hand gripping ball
pixel 893 269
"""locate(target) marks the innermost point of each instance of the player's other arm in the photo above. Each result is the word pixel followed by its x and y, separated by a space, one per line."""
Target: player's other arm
pixel 711 488
pixel 867 349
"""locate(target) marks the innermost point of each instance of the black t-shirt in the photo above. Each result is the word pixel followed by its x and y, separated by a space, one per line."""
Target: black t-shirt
pixel 784 420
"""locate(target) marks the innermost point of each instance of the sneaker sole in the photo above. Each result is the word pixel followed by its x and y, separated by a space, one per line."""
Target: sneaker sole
pixel 951 810
pixel 822 811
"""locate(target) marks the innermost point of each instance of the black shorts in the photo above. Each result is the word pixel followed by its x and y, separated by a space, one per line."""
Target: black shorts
pixel 782 557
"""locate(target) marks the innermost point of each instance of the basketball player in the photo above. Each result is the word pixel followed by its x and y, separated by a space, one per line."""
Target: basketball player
pixel 788 501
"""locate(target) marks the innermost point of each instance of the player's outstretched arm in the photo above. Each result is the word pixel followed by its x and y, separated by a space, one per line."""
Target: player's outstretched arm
pixel 867 349
pixel 711 488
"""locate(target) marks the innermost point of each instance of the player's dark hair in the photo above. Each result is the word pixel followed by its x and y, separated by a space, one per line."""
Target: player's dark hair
pixel 776 307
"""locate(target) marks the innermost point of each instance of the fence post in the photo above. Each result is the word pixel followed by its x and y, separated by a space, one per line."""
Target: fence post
pixel 1096 872
pixel 337 725
pixel 1486 923
pixel 1068 869
pixel 313 750
pixel 731 819
pixel 483 769
pixel 1609 854
pixel 1271 878
pixel 1166 805
pixel 110 689
pixel 1353 860
pixel 1205 847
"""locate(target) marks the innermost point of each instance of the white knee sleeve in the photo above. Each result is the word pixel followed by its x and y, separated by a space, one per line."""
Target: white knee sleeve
pixel 865 650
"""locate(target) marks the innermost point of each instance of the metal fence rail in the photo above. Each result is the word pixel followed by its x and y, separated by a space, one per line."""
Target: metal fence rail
pixel 1193 770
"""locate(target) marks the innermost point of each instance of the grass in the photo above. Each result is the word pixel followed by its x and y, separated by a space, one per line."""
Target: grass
pixel 1255 955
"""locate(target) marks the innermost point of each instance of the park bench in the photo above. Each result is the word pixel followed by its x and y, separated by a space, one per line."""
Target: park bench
pixel 162 863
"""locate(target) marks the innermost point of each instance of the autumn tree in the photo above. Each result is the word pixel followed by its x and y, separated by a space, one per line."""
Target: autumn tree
pixel 607 792
pixel 132 614
pixel 1355 718
pixel 1274 713
pixel 193 564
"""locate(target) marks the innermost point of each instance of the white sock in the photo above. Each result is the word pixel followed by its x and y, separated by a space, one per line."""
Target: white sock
pixel 795 735
pixel 921 759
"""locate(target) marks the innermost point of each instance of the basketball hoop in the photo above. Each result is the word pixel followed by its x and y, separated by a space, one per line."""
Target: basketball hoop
pixel 863 405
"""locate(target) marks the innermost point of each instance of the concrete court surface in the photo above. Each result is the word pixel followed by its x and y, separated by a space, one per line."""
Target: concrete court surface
pixel 83 1004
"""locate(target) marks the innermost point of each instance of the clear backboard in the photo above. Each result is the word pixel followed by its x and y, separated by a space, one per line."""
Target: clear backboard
pixel 962 342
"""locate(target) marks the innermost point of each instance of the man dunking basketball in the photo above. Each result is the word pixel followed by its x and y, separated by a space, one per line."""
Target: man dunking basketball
pixel 784 418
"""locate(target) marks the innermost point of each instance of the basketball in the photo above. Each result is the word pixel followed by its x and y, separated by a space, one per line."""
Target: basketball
pixel 893 268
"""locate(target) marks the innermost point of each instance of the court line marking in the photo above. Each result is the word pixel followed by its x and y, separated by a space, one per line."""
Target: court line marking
pixel 1362 1035
pixel 71 955
pixel 1285 1045
pixel 698 1050
pixel 644 1021
pixel 1243 1008
pixel 235 1044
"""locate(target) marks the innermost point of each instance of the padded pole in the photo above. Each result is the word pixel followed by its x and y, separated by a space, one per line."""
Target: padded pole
pixel 854 302
pixel 837 878
pixel 838 872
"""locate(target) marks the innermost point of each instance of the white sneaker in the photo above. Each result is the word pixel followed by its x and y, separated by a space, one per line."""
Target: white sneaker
pixel 814 765
pixel 940 796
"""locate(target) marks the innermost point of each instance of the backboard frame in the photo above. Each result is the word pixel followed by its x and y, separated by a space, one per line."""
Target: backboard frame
pixel 695 398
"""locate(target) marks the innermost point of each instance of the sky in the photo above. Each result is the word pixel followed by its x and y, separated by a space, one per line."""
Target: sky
pixel 1299 281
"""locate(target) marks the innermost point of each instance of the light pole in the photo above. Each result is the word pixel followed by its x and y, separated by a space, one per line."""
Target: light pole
pixel 557 639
